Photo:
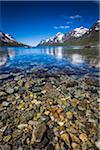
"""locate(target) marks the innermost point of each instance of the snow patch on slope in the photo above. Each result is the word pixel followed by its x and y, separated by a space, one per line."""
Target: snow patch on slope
pixel 79 32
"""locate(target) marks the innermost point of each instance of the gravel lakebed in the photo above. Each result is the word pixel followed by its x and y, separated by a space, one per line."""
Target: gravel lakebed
pixel 43 110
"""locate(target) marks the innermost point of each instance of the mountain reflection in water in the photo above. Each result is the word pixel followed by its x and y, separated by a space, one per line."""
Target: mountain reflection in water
pixel 60 57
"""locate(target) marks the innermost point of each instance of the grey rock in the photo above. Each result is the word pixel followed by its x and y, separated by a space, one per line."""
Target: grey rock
pixel 10 90
pixel 20 148
pixel 5 104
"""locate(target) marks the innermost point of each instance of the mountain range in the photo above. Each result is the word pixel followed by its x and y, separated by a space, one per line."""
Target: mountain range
pixel 8 40
pixel 78 36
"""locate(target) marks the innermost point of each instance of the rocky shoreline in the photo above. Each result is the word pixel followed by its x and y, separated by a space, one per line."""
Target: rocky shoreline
pixel 40 110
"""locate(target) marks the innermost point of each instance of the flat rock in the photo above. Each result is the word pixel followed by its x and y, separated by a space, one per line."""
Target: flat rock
pixel 7 138
pixel 38 133
pixel 5 104
pixel 4 76
pixel 22 126
pixel 10 90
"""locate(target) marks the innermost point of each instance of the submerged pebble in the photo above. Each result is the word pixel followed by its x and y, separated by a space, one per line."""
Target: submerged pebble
pixel 48 111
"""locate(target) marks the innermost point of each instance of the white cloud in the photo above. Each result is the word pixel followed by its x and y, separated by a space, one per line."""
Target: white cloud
pixel 75 17
pixel 61 27
pixel 68 22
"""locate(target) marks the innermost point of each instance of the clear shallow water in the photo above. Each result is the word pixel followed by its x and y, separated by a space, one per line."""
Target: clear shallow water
pixel 47 57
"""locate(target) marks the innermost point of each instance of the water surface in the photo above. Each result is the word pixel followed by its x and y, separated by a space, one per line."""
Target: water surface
pixel 76 59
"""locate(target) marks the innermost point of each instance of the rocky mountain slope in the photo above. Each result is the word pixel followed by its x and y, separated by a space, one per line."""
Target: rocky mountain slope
pixel 92 36
pixel 78 36
pixel 8 40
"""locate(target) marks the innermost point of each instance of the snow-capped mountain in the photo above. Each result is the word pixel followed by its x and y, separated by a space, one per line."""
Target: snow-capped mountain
pixel 78 32
pixel 8 40
pixel 79 35
pixel 58 37
pixel 92 36
pixel 9 37
pixel 75 34
pixel 61 37
pixel 96 26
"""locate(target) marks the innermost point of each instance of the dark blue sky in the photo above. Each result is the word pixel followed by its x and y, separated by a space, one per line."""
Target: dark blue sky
pixel 30 21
